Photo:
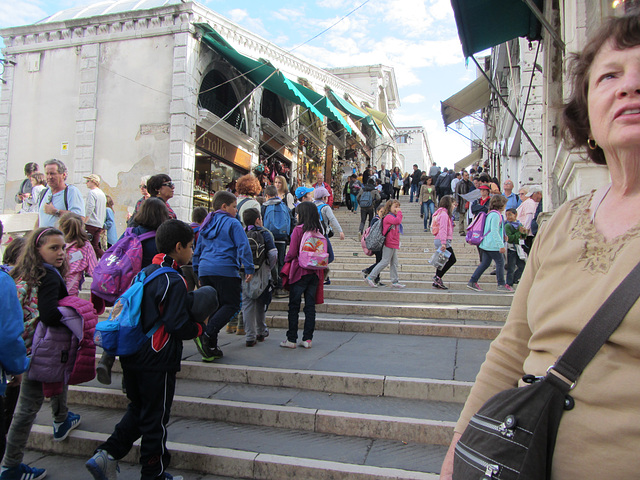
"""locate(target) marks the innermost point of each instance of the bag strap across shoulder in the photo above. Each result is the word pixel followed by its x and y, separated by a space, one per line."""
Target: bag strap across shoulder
pixel 603 323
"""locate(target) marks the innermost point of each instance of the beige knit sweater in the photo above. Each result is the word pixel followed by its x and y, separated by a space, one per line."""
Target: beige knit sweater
pixel 570 273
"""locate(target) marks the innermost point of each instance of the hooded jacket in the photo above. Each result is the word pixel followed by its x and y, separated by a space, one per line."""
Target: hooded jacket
pixel 375 195
pixel 13 353
pixel 222 247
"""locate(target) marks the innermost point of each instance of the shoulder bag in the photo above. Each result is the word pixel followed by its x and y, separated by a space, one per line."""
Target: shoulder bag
pixel 513 435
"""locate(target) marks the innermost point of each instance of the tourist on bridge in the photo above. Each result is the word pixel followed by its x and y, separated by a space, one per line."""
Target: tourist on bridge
pixel 369 199
pixel 391 228
pixel 444 237
pixel 58 198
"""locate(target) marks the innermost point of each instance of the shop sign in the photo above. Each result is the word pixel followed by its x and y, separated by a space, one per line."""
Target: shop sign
pixel 223 149
pixel 278 147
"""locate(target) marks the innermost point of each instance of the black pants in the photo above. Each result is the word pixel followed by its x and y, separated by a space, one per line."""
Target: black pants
pixel 396 193
pixel 281 246
pixel 452 260
pixel 370 268
pixel 364 213
pixel 151 395
pixel 7 407
pixel 229 299
pixel 306 286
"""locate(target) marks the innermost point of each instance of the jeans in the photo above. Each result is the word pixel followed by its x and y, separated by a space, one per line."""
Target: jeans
pixel 254 314
pixel 95 239
pixel 414 191
pixel 29 403
pixel 364 213
pixel 150 394
pixel 428 209
pixel 389 256
pixel 486 257
pixel 230 300
pixel 306 286
pixel 354 203
pixel 515 267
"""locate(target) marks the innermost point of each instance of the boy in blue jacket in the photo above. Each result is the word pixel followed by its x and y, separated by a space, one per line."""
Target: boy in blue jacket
pixel 13 353
pixel 222 246
pixel 149 375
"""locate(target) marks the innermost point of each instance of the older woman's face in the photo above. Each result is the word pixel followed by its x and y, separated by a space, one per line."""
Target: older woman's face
pixel 614 97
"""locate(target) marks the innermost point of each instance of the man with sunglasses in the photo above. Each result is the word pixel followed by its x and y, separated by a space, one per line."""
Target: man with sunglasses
pixel 162 187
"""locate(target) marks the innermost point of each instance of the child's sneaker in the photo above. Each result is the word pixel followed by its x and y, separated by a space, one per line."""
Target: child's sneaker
pixel 398 285
pixel 504 289
pixel 209 353
pixel 474 286
pixel 103 466
pixel 62 430
pixel 306 344
pixel 168 476
pixel 22 472
pixel 288 344
pixel 261 338
pixel 370 282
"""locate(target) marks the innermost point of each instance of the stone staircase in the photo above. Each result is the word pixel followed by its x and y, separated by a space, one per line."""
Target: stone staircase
pixel 375 398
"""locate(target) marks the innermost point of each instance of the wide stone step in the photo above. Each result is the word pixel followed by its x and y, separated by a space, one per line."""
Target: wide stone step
pixel 453 281
pixel 411 310
pixel 246 451
pixel 418 421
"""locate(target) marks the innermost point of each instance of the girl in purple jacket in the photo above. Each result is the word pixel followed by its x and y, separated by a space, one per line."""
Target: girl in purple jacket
pixel 39 276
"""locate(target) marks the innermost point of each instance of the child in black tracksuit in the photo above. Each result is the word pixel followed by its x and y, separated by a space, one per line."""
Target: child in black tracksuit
pixel 150 374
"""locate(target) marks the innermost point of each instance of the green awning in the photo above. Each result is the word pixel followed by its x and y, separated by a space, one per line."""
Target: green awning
pixel 258 71
pixel 355 112
pixel 323 104
pixel 381 117
pixel 484 24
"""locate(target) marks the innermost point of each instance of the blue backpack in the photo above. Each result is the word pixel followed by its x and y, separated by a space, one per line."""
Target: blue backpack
pixel 121 333
pixel 277 219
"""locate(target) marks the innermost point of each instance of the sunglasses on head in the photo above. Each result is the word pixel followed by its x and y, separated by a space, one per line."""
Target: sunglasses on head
pixel 168 184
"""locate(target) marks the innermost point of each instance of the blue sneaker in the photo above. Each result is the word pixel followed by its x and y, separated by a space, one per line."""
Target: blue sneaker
pixel 103 466
pixel 22 472
pixel 62 430
pixel 168 476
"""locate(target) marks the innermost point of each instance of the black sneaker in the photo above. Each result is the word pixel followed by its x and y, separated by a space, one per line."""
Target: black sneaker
pixel 103 370
pixel 209 353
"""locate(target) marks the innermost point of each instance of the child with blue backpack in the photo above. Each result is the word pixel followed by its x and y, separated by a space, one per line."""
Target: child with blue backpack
pixel 276 218
pixel 492 247
pixel 222 247
pixel 149 374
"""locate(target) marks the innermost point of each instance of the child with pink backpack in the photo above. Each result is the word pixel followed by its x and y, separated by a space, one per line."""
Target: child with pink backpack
pixel 442 229
pixel 305 262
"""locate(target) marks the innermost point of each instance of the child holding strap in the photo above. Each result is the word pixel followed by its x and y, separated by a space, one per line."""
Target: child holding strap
pixel 80 253
pixel 391 228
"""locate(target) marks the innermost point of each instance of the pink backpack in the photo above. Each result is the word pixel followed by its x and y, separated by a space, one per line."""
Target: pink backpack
pixel 118 266
pixel 314 251
pixel 363 242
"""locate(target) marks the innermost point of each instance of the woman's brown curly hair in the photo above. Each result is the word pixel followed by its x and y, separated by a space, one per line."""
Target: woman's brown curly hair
pixel 248 185
pixel 624 32
pixel 29 267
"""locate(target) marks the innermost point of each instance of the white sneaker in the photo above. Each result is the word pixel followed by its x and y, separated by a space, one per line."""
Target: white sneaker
pixel 288 344
pixel 398 285
pixel 103 466
pixel 370 282
pixel 306 344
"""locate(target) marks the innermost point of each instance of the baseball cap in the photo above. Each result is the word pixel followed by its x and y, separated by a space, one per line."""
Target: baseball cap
pixel 484 187
pixel 302 191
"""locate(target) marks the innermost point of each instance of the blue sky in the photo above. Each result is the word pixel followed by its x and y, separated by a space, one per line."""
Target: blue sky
pixel 418 38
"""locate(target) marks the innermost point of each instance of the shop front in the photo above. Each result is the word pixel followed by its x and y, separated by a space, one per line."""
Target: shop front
pixel 218 165
pixel 275 159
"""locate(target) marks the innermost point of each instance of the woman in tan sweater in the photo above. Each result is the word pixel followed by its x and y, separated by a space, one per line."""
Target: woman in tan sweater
pixel 578 258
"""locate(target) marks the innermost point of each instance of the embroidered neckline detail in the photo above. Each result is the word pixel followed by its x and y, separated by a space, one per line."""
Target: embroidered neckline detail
pixel 597 253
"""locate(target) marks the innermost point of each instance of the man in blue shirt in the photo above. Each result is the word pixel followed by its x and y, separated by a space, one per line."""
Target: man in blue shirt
pixel 58 198
pixel 513 201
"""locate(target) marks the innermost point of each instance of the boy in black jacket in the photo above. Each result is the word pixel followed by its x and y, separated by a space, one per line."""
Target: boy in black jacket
pixel 150 374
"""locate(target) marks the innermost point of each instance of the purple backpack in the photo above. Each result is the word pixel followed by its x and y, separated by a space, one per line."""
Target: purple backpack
pixel 475 230
pixel 118 266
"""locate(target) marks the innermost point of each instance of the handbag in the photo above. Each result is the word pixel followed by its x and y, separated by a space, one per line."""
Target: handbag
pixel 513 434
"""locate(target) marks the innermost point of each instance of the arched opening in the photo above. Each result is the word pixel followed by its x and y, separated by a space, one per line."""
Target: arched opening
pixel 271 108
pixel 218 96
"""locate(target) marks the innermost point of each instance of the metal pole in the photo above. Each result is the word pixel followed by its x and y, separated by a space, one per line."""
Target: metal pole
pixel 504 103
pixel 536 11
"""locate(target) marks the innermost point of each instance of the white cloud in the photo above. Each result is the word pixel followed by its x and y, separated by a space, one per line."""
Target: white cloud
pixel 414 98
pixel 13 14
pixel 286 14
pixel 411 16
pixel 243 18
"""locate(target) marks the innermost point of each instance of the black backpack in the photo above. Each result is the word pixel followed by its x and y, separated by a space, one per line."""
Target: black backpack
pixel 258 247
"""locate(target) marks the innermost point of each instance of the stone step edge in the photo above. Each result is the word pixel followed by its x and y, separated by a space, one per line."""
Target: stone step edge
pixel 395 327
pixel 410 388
pixel 405 429
pixel 223 461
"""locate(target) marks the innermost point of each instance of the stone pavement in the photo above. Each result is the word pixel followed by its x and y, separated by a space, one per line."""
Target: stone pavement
pixel 376 397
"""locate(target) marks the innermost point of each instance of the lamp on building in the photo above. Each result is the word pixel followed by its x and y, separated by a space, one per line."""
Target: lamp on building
pixel 458 124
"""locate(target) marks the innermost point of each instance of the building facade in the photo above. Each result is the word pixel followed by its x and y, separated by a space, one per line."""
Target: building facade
pixel 413 148
pixel 172 89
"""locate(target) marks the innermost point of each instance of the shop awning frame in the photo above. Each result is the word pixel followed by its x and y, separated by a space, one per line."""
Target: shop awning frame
pixel 355 112
pixel 470 159
pixel 470 99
